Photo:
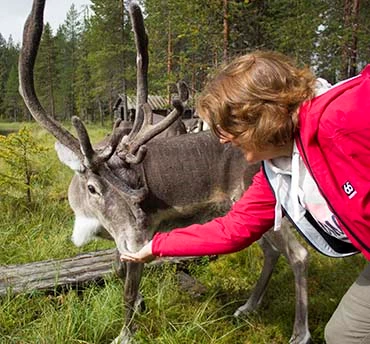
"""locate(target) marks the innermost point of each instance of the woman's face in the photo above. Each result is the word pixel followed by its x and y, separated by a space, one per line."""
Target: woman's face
pixel 254 155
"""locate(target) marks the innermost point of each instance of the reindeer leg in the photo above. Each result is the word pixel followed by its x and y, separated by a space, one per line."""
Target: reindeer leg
pixel 297 256
pixel 119 267
pixel 120 270
pixel 271 256
pixel 132 300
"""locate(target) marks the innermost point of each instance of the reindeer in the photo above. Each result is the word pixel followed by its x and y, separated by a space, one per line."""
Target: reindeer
pixel 129 183
pixel 176 128
pixel 195 124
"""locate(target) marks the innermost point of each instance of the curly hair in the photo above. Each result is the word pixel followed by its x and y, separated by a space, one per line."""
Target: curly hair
pixel 256 98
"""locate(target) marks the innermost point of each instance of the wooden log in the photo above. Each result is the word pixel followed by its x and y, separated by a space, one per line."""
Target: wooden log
pixel 51 274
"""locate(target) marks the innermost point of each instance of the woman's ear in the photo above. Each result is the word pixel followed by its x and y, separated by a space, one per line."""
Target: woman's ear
pixel 225 137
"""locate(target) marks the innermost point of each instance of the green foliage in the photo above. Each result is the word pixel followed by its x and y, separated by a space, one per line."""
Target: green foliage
pixel 45 72
pixel 12 102
pixel 67 42
pixel 41 230
pixel 91 58
pixel 183 45
pixel 109 43
pixel 21 170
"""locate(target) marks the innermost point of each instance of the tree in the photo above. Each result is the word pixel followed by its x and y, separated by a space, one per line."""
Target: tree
pixel 3 68
pixel 110 46
pixel 351 21
pixel 226 30
pixel 183 45
pixel 12 103
pixel 67 44
pixel 20 154
pixel 45 71
pixel 84 85
pixel 8 61
pixel 82 69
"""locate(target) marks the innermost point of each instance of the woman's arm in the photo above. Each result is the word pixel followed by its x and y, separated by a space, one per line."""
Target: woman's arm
pixel 245 223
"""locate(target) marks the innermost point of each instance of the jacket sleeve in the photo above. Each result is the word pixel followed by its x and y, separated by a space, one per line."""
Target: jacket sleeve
pixel 245 223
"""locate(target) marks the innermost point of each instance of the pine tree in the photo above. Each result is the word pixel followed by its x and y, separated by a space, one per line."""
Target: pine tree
pixel 67 44
pixel 83 84
pixel 110 46
pixel 8 60
pixel 183 45
pixel 3 69
pixel 12 103
pixel 45 71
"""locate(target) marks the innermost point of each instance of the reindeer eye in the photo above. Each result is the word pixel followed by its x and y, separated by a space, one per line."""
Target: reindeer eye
pixel 91 189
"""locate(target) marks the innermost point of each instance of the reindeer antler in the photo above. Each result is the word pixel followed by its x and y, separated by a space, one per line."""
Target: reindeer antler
pixel 148 131
pixel 132 148
pixel 142 130
pixel 82 148
pixel 93 159
pixel 31 40
pixel 142 62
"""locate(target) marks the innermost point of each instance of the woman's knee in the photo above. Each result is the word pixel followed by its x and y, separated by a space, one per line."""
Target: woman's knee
pixel 350 322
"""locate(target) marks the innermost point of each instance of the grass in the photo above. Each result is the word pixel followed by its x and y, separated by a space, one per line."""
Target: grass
pixel 10 126
pixel 94 315
pixel 41 230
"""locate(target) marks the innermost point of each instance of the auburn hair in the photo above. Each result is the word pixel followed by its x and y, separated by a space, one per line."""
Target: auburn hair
pixel 256 98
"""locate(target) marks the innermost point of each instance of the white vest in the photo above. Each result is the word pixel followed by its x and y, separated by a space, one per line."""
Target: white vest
pixel 306 225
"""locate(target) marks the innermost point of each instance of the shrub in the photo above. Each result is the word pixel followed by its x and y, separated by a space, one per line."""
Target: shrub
pixel 20 167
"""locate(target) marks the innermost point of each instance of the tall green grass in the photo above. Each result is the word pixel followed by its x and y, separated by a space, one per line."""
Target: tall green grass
pixel 41 229
pixel 95 314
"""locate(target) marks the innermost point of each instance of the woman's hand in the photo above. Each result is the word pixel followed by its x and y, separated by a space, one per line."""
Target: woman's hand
pixel 142 256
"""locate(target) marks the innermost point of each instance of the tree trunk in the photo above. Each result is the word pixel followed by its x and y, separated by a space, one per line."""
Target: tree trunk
pixel 71 272
pixel 351 14
pixel 51 85
pixel 353 51
pixel 169 59
pixel 46 275
pixel 124 115
pixel 101 113
pixel 226 29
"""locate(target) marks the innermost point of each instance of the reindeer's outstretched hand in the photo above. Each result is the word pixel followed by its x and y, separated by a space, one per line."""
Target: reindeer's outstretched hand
pixel 142 256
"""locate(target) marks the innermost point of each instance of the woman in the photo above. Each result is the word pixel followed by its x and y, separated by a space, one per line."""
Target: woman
pixel 314 144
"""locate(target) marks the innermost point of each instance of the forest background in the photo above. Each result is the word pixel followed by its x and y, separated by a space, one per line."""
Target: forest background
pixel 90 59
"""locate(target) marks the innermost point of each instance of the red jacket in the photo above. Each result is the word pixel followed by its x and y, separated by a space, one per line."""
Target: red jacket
pixel 334 142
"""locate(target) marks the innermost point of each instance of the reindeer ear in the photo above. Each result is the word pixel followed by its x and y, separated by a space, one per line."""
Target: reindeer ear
pixel 66 156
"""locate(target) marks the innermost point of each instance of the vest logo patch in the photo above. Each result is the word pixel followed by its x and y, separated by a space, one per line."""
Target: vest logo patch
pixel 349 189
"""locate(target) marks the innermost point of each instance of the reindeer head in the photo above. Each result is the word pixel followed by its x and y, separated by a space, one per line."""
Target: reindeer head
pixel 107 189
